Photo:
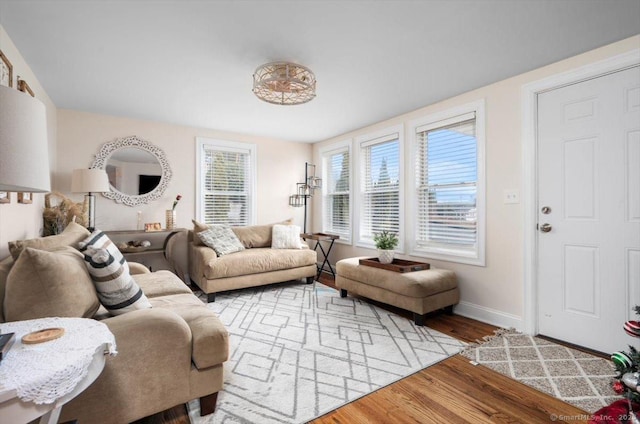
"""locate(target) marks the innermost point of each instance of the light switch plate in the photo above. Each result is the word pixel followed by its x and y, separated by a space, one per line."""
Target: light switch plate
pixel 511 196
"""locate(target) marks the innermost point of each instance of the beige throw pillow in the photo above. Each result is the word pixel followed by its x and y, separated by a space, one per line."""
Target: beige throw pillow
pixel 257 235
pixel 198 227
pixel 72 234
pixel 49 284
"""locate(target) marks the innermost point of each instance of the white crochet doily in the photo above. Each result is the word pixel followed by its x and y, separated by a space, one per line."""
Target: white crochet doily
pixel 44 372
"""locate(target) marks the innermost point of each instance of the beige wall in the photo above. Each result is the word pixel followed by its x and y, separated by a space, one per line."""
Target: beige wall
pixel 18 221
pixel 80 135
pixel 493 293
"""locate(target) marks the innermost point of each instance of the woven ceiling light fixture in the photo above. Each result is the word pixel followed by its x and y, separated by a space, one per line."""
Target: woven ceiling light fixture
pixel 284 83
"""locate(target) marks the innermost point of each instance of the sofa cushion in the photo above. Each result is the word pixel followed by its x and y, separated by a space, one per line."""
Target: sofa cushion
pixel 117 290
pixel 221 239
pixel 160 283
pixel 208 333
pixel 49 284
pixel 198 227
pixel 257 235
pixel 257 260
pixel 72 234
pixel 286 237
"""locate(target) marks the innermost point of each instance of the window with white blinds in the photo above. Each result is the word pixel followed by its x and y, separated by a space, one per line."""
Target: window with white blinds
pixel 447 190
pixel 336 202
pixel 380 173
pixel 226 182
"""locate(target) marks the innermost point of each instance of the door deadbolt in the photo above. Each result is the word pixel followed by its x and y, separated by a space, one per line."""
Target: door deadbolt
pixel 545 228
pixel 546 210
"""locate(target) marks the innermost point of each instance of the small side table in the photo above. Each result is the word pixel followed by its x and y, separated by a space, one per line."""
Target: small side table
pixel 320 237
pixel 37 380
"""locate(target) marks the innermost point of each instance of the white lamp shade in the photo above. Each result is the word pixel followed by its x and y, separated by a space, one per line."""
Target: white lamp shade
pixel 24 151
pixel 89 181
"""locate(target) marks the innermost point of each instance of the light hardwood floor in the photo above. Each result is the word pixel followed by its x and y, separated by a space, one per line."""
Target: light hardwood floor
pixel 452 391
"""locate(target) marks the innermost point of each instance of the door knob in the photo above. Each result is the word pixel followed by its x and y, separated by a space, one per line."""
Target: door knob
pixel 545 228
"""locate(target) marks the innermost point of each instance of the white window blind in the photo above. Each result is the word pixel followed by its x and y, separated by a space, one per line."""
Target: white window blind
pixel 226 185
pixel 447 185
pixel 337 198
pixel 380 187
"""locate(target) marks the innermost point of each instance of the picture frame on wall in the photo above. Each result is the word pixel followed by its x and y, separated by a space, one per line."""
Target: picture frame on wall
pixel 24 198
pixel 6 71
pixel 5 197
pixel 24 87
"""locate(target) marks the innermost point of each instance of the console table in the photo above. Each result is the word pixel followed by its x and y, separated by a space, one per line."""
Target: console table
pixel 36 380
pixel 322 237
pixel 155 256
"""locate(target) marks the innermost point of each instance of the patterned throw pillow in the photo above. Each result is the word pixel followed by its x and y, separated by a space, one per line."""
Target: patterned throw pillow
pixel 221 239
pixel 286 237
pixel 117 290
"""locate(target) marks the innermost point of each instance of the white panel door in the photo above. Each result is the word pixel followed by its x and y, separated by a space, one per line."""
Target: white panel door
pixel 589 210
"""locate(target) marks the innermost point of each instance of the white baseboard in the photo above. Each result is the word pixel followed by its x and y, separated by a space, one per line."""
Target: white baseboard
pixel 488 315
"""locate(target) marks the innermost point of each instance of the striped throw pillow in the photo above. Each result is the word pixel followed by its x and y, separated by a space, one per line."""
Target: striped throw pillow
pixel 117 291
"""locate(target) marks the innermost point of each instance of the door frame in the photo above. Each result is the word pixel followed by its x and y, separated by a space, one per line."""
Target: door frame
pixel 529 105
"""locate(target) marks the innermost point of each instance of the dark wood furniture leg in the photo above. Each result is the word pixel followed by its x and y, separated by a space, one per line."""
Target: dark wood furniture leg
pixel 208 404
pixel 449 309
pixel 418 319
pixel 343 293
pixel 211 297
pixel 310 280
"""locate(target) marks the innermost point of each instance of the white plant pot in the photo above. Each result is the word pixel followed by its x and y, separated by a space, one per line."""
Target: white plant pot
pixel 385 256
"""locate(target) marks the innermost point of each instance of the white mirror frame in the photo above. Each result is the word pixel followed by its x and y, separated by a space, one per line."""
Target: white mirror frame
pixel 105 152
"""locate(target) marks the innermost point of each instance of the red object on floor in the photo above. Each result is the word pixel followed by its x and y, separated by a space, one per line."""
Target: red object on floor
pixel 616 413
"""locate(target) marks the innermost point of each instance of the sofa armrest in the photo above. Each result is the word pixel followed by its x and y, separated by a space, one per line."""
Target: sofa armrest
pixel 200 257
pixel 154 352
pixel 138 268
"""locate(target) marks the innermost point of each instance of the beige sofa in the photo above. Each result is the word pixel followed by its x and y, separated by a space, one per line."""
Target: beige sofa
pixel 257 265
pixel 167 355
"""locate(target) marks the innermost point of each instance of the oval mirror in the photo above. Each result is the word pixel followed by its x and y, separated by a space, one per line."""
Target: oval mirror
pixel 138 171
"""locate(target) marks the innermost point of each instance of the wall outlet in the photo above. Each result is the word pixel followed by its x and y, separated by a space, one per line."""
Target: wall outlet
pixel 511 196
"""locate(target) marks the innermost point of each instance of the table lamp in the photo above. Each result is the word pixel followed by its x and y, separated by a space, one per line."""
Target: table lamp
pixel 90 181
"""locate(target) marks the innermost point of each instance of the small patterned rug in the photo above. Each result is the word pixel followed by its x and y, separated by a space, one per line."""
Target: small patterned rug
pixel 573 376
pixel 298 351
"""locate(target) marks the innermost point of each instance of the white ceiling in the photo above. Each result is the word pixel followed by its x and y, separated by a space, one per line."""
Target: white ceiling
pixel 191 62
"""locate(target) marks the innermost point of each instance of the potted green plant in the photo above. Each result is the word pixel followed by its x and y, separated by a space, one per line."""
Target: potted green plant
pixel 385 242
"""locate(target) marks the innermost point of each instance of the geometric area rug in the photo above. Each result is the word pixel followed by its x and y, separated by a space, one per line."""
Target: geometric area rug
pixel 298 351
pixel 573 376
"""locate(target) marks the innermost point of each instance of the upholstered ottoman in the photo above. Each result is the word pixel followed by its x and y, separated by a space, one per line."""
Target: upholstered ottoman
pixel 419 292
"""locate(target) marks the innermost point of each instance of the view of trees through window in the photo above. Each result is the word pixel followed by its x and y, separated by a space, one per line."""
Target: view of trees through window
pixel 338 196
pixel 381 189
pixel 447 189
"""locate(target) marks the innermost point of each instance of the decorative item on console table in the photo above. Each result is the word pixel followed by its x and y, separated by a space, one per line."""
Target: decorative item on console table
pixel 385 242
pixel 151 248
pixel 171 214
pixel 56 217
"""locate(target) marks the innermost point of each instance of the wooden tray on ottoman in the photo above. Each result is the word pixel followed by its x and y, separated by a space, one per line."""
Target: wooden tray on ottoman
pixel 398 265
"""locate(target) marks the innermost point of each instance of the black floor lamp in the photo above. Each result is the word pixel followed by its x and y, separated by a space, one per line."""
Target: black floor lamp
pixel 305 190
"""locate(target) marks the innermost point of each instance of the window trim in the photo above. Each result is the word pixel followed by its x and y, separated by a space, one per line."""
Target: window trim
pixel 324 152
pixel 436 120
pixel 366 140
pixel 236 146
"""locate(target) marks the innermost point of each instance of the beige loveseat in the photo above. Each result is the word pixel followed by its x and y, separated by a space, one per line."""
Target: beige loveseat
pixel 167 355
pixel 258 264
